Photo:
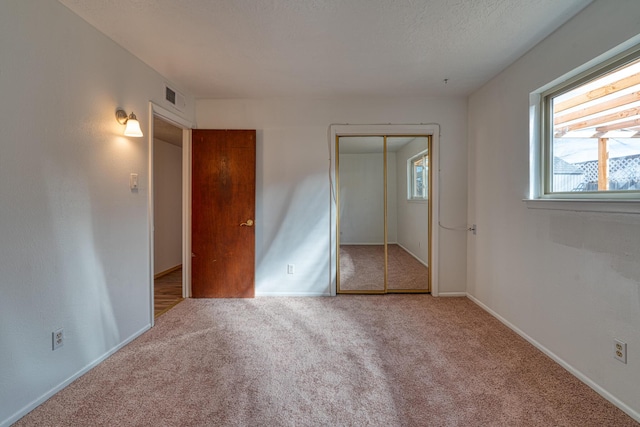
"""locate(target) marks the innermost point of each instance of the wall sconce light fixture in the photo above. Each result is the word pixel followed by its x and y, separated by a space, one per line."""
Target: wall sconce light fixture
pixel 133 126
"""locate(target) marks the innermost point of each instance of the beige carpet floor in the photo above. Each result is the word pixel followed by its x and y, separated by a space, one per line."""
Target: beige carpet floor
pixel 392 360
pixel 362 269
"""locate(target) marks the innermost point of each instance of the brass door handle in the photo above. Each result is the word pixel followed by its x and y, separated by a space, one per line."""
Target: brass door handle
pixel 249 223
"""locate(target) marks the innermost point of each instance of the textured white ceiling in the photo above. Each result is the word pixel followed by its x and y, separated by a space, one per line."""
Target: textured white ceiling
pixel 292 48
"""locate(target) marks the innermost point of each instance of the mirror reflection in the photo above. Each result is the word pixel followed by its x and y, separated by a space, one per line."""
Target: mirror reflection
pixel 361 204
pixel 383 223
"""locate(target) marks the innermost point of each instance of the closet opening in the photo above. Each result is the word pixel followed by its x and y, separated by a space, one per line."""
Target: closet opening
pixel 383 213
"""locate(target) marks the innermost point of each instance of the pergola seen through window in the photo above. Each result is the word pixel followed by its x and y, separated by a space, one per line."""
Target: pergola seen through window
pixel 593 133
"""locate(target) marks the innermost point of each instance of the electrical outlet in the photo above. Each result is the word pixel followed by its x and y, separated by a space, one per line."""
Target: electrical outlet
pixel 57 338
pixel 620 350
pixel 291 269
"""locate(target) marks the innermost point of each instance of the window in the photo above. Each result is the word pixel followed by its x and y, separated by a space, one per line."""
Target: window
pixel 591 133
pixel 418 174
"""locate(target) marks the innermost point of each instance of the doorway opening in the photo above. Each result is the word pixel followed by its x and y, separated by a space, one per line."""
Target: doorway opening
pixel 383 209
pixel 167 215
pixel 169 137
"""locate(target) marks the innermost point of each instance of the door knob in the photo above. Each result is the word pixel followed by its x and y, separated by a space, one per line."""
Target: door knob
pixel 249 223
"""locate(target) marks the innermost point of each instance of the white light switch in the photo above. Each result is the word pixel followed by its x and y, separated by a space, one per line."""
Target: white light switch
pixel 133 181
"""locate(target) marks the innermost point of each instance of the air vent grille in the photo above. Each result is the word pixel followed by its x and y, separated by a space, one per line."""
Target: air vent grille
pixel 174 98
pixel 170 95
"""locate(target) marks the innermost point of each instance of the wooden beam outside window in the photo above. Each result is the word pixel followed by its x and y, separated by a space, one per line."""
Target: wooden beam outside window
pixel 603 164
pixel 599 108
pixel 586 124
pixel 617 126
pixel 597 93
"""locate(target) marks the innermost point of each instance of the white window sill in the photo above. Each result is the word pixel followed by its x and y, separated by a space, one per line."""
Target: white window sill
pixel 627 206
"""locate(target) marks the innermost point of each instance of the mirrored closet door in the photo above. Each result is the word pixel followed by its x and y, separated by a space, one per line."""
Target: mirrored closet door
pixel 383 194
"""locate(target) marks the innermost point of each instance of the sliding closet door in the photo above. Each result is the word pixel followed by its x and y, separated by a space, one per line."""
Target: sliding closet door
pixel 361 214
pixel 408 184
pixel 384 211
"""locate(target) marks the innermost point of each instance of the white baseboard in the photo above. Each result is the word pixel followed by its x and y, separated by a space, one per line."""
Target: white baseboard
pixel 40 400
pixel 167 271
pixel 452 294
pixel 414 255
pixel 575 372
pixel 362 244
pixel 292 294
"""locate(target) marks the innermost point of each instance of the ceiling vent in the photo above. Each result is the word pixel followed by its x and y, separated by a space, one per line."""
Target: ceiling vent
pixel 174 98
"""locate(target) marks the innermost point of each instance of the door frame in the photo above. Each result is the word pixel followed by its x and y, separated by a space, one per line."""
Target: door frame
pixel 433 129
pixel 186 126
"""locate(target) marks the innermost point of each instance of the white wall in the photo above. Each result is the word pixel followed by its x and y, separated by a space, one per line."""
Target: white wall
pixel 167 210
pixel 392 205
pixel 74 240
pixel 362 199
pixel 293 192
pixel 413 216
pixel 568 280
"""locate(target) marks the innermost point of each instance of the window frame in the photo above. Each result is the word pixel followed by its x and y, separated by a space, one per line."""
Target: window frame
pixel 541 137
pixel 411 179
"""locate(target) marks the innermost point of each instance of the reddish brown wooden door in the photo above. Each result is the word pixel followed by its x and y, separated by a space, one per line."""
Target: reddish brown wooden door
pixel 223 213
